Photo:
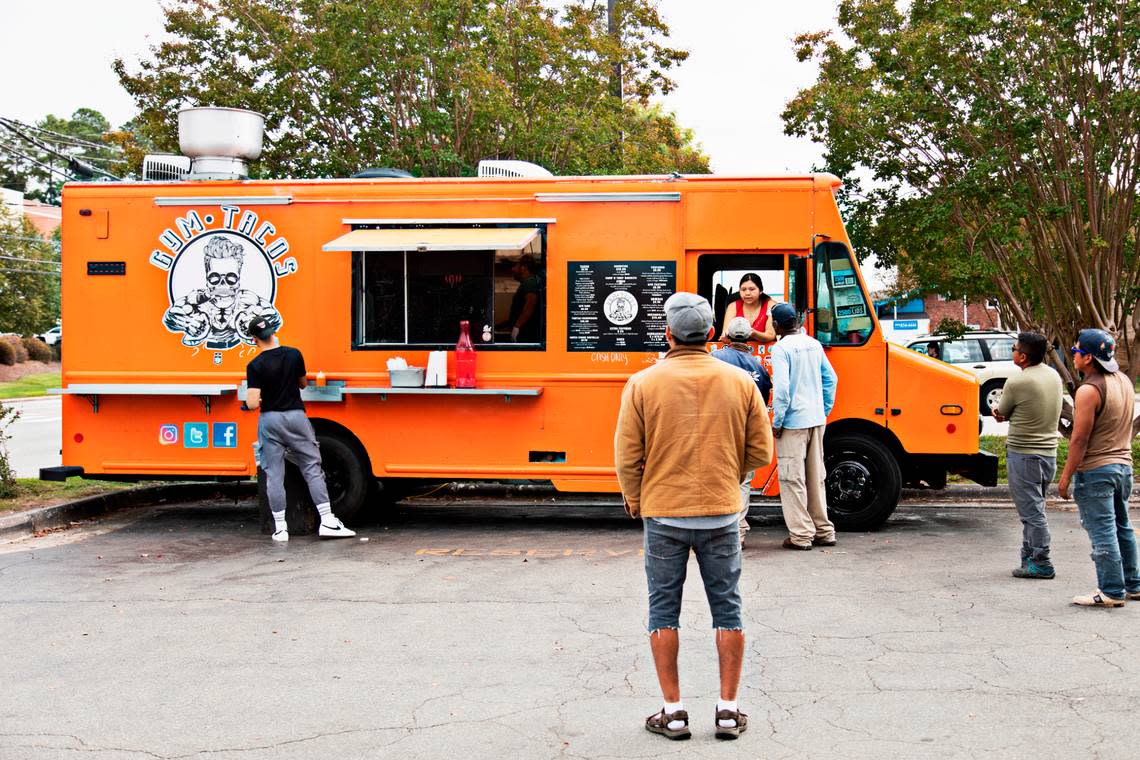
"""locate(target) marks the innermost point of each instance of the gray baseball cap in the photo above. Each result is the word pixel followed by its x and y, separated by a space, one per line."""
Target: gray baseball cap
pixel 739 328
pixel 690 317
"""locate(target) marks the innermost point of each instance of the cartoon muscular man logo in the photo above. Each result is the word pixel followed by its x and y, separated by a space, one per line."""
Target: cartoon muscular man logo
pixel 219 314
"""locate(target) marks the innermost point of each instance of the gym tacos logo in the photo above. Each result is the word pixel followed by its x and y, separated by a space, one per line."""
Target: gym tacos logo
pixel 222 272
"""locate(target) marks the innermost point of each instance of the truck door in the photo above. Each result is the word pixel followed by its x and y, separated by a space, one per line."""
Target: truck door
pixel 864 479
pixel 718 279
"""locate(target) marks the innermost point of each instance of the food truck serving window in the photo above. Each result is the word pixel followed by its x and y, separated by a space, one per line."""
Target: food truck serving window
pixel 413 285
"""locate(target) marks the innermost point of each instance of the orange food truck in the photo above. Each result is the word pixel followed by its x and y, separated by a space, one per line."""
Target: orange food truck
pixel 161 278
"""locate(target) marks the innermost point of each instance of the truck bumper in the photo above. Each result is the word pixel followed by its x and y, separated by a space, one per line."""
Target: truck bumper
pixel 982 468
pixel 60 473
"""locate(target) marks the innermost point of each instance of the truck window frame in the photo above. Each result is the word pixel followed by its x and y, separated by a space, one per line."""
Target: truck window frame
pixel 822 256
pixel 358 302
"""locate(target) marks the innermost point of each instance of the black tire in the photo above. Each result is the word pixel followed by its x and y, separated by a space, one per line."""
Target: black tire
pixel 347 475
pixel 984 397
pixel 863 483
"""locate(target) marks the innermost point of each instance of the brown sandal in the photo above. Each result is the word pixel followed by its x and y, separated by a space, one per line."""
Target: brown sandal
pixel 658 723
pixel 732 732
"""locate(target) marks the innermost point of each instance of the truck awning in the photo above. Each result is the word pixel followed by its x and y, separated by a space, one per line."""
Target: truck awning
pixel 435 239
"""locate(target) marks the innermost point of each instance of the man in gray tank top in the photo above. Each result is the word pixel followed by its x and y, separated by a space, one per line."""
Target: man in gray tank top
pixel 1100 468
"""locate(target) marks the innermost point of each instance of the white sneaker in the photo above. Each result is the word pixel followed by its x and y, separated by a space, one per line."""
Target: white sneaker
pixel 335 529
pixel 281 535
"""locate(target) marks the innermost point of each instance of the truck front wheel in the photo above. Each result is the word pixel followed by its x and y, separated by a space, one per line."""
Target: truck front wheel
pixel 863 482
pixel 345 475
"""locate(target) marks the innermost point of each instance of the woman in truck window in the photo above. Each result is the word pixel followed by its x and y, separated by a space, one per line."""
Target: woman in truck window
pixel 754 305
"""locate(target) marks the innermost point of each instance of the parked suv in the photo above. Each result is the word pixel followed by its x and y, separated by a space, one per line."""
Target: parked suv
pixel 986 353
pixel 52 336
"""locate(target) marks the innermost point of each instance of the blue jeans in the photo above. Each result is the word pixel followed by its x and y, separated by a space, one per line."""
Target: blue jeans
pixel 666 562
pixel 1029 479
pixel 1102 500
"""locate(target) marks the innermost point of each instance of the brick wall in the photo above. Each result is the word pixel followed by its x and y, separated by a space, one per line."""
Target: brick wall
pixel 977 313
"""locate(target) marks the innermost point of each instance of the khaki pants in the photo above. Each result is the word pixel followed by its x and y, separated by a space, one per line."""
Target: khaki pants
pixel 799 456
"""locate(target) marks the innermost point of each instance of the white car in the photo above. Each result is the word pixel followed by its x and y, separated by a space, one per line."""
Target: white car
pixel 987 354
pixel 52 336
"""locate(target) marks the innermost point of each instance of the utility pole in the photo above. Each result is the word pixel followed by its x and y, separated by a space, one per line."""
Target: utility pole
pixel 615 76
pixel 615 33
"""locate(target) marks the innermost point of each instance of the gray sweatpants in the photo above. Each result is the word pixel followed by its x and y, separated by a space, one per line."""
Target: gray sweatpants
pixel 1029 478
pixel 278 431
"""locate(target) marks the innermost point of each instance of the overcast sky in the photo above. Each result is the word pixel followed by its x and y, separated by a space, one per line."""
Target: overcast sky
pixel 739 75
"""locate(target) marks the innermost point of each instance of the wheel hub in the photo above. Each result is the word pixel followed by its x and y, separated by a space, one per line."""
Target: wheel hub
pixel 850 483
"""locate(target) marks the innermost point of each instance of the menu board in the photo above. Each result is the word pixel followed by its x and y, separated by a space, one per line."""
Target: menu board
pixel 618 305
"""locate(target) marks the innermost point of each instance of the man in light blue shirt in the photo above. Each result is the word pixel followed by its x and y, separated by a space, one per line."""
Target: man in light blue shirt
pixel 803 394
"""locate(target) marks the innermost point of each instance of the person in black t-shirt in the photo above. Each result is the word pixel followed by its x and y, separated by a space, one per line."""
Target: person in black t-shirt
pixel 275 378
pixel 524 320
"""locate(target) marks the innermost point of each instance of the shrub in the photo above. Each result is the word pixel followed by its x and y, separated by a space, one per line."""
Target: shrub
pixel 38 351
pixel 17 345
pixel 8 415
pixel 57 351
pixel 7 353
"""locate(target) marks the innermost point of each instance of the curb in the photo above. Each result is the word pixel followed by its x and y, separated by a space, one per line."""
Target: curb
pixel 32 521
pixel 25 399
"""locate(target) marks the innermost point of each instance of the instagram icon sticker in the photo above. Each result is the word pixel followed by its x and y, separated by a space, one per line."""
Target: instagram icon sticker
pixel 168 434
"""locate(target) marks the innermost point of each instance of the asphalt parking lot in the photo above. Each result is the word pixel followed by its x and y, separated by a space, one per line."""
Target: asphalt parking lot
pixel 181 632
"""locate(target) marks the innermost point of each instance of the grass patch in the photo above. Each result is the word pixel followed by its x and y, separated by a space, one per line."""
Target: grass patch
pixel 32 493
pixel 29 385
pixel 995 444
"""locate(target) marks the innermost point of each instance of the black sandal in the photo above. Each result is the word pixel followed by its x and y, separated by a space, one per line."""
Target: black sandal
pixel 731 732
pixel 658 723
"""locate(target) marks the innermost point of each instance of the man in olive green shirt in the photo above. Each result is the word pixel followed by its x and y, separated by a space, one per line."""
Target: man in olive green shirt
pixel 1031 401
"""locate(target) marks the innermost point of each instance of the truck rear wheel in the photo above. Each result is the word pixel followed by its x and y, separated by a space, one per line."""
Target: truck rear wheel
pixel 345 475
pixel 863 483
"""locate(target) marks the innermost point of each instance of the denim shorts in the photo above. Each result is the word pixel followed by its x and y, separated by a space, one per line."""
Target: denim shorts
pixel 666 562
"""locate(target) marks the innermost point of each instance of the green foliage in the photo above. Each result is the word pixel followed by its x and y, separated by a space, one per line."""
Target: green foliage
pixel 996 144
pixel 86 135
pixel 29 280
pixel 951 328
pixel 38 351
pixel 8 415
pixel 431 87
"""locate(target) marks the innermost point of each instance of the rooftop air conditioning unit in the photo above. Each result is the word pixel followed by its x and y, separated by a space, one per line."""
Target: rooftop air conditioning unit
pixel 497 168
pixel 165 168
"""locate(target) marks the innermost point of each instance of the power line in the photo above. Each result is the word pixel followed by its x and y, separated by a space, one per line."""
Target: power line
pixel 73 164
pixel 31 271
pixel 72 139
pixel 33 261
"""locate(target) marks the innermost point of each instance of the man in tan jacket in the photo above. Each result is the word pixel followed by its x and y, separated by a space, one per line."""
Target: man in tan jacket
pixel 689 428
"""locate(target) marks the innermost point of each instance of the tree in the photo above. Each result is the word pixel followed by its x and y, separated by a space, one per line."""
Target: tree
pixel 29 278
pixel 430 86
pixel 998 141
pixel 27 164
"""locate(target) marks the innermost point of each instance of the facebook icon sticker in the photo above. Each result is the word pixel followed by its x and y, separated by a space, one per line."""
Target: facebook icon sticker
pixel 196 435
pixel 225 435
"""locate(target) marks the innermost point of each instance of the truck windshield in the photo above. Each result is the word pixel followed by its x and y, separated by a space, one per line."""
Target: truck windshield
pixel 842 313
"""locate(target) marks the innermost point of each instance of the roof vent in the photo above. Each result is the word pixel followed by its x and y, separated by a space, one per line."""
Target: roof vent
pixel 382 172
pixel 497 168
pixel 220 141
pixel 165 168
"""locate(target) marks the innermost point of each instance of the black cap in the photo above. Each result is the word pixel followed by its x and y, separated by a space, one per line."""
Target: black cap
pixel 261 328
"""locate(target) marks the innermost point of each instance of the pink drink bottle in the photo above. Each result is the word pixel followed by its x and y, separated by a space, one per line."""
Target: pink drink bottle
pixel 464 358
